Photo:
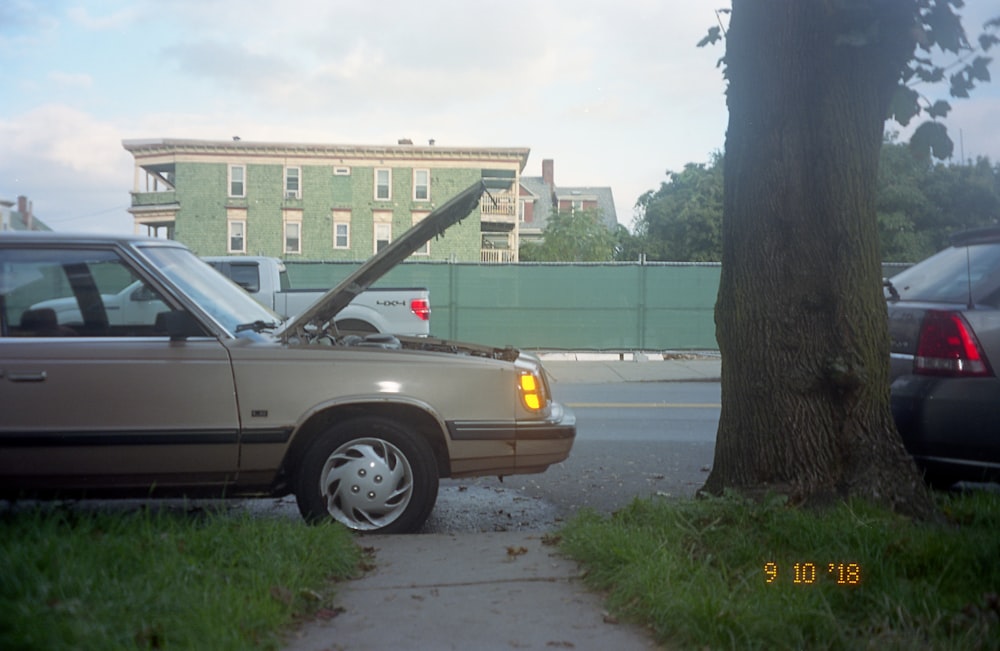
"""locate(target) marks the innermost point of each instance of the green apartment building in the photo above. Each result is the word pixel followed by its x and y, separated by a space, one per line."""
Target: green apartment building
pixel 320 202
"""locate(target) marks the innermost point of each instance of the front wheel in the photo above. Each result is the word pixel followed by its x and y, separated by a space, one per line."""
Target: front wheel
pixel 369 474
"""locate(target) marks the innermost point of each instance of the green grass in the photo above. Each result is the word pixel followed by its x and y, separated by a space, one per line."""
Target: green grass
pixel 694 572
pixel 160 579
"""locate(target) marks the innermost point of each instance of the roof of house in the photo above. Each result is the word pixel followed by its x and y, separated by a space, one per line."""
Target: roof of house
pixel 543 206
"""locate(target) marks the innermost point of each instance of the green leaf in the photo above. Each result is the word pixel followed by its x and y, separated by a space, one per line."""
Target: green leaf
pixel 904 105
pixel 940 109
pixel 979 69
pixel 931 75
pixel 945 27
pixel 714 35
pixel 931 139
pixel 960 85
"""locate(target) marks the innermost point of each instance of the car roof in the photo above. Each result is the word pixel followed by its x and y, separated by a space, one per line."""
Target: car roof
pixel 59 237
pixel 984 235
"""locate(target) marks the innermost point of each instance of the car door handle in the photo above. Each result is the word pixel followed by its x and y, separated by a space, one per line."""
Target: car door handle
pixel 27 376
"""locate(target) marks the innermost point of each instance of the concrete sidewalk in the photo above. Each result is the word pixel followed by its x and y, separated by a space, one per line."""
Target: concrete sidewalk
pixel 492 591
pixel 486 591
pixel 600 368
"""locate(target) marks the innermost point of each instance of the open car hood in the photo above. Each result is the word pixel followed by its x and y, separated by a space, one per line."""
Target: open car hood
pixel 319 316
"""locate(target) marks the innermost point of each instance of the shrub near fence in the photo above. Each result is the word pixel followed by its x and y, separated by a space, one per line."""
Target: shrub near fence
pixel 621 306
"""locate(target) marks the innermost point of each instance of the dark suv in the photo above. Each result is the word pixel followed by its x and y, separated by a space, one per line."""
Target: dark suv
pixel 944 323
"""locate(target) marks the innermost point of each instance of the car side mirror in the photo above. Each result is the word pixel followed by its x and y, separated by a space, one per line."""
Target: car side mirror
pixel 144 293
pixel 178 325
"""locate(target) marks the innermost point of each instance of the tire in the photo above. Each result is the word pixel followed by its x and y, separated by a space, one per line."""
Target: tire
pixel 371 475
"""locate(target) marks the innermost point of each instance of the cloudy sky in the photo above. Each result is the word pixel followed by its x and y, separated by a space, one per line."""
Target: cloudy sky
pixel 615 92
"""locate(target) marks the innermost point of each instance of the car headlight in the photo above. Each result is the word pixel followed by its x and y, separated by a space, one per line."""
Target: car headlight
pixel 532 391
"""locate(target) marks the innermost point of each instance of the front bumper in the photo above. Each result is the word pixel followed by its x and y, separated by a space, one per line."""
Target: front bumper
pixel 512 447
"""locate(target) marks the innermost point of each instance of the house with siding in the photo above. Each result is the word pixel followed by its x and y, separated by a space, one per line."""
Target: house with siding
pixel 321 201
pixel 539 197
pixel 21 218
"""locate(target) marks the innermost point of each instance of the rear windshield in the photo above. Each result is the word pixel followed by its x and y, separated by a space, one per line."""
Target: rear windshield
pixel 954 275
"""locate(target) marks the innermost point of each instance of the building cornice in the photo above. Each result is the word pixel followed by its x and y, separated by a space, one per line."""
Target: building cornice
pixel 186 147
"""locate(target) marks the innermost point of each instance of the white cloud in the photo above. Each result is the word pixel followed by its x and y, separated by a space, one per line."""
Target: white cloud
pixel 71 166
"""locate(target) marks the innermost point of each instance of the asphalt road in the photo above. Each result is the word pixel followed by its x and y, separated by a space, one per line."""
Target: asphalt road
pixel 633 440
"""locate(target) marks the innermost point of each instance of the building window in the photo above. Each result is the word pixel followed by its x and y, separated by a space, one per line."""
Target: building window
pixel 426 248
pixel 341 235
pixel 293 239
pixel 341 229
pixel 292 230
pixel 421 185
pixel 292 188
pixel 237 236
pixel 383 235
pixel 237 181
pixel 383 184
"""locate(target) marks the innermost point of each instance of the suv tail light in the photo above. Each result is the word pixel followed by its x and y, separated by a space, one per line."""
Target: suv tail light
pixel 948 347
pixel 422 308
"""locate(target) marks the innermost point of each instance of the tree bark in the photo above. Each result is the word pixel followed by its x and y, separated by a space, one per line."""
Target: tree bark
pixel 800 319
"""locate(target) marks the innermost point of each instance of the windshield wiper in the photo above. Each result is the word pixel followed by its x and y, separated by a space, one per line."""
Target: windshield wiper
pixel 893 294
pixel 257 326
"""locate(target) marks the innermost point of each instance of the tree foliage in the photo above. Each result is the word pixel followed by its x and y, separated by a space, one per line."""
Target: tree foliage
pixel 575 236
pixel 682 221
pixel 918 205
pixel 935 26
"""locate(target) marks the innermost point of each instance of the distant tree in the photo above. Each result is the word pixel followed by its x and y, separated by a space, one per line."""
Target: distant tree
pixel 682 221
pixel 628 246
pixel 919 204
pixel 901 204
pixel 577 236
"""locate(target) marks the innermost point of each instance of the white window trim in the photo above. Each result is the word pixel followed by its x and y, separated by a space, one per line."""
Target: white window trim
pixel 427 185
pixel 347 225
pixel 229 235
pixel 229 181
pixel 416 217
pixel 286 222
pixel 388 172
pixel 375 230
pixel 297 193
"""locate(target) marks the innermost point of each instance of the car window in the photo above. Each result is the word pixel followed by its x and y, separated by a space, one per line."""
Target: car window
pixel 954 275
pixel 48 292
pixel 213 292
pixel 246 276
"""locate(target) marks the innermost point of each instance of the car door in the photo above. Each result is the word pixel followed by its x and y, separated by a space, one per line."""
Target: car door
pixel 92 404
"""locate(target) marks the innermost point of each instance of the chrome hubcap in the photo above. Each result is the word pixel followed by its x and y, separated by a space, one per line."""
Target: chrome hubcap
pixel 366 483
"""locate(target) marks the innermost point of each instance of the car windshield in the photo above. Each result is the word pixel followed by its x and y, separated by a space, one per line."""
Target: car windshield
pixel 229 305
pixel 955 275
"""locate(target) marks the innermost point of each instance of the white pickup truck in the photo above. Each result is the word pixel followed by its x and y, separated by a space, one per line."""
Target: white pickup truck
pixel 397 310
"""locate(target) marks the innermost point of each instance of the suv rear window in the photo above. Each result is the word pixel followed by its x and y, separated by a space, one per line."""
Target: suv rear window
pixel 954 275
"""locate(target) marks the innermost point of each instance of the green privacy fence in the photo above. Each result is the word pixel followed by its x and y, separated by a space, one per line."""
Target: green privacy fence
pixel 624 306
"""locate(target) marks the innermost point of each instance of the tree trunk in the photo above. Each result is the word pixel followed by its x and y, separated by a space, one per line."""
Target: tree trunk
pixel 800 319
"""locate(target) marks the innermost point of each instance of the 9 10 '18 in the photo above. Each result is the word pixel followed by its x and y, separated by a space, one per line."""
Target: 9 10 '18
pixel 808 573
